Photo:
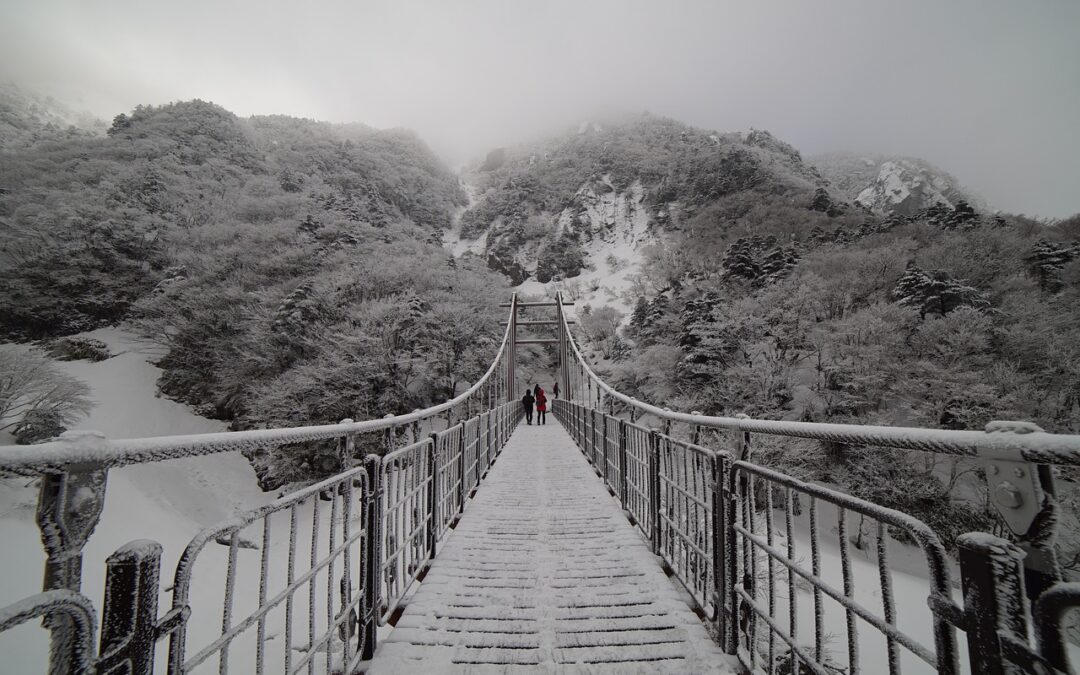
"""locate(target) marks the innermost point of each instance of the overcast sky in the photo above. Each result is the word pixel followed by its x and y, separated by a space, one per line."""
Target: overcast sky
pixel 987 89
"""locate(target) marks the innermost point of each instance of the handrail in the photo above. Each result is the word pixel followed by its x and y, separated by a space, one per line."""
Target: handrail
pixel 1038 447
pixel 51 457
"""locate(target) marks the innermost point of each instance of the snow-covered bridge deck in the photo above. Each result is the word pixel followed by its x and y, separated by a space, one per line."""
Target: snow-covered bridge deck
pixel 544 573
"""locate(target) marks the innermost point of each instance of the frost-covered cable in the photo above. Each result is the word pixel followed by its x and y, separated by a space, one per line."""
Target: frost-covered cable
pixel 1038 447
pixel 51 457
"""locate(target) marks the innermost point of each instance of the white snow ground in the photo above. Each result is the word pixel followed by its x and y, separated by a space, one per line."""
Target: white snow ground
pixel 168 502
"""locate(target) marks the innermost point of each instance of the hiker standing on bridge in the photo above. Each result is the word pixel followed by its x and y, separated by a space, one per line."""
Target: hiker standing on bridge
pixel 527 403
pixel 555 389
pixel 541 405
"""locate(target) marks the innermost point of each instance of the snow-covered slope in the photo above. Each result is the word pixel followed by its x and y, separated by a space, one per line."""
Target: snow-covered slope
pixel 26 117
pixel 166 501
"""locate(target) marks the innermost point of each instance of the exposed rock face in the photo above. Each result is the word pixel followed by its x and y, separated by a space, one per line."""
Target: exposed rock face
pixel 904 188
pixel 894 186
pixel 508 266
pixel 598 208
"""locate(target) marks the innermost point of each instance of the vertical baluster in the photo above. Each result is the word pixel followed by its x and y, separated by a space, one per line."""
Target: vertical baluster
pixel 888 605
pixel 750 505
pixel 372 556
pixel 313 561
pixel 654 490
pixel 731 556
pixel 622 467
pixel 461 467
pixel 433 496
pixel 815 558
pixel 718 520
pixel 264 565
pixel 793 608
pixel 849 592
pixel 290 577
pixel 349 628
pixel 330 576
pixel 227 605
pixel 769 537
pixel 608 460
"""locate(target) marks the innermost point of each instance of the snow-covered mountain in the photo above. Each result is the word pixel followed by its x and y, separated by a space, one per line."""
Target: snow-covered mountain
pixel 894 185
pixel 26 117
pixel 578 210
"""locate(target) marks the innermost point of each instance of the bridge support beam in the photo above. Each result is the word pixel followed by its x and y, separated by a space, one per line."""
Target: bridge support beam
pixel 511 352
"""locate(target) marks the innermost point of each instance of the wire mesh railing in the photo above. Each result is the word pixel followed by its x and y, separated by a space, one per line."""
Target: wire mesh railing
pixel 314 599
pixel 783 533
pixel 779 563
pixel 303 582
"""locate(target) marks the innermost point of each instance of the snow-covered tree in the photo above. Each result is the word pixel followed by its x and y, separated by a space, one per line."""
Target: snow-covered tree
pixel 935 291
pixel 37 399
pixel 1047 259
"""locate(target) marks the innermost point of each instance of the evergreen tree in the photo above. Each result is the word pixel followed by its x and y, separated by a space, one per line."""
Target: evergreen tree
pixel 935 291
pixel 1047 260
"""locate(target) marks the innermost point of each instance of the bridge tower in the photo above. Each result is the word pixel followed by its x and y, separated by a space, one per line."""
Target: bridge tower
pixel 561 341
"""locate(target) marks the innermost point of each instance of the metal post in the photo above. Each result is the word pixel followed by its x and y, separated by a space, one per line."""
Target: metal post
pixel 372 559
pixel 129 615
pixel 479 438
pixel 742 445
pixel 389 436
pixel 69 506
pixel 433 495
pixel 511 351
pixel 695 434
pixel 598 437
pixel 654 489
pixel 730 636
pixel 461 469
pixel 992 575
pixel 604 449
pixel 622 463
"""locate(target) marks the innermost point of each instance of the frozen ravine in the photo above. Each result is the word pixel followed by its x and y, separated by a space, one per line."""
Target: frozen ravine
pixel 165 501
pixel 544 573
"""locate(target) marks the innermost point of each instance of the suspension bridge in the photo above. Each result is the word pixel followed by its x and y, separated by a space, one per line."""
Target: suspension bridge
pixel 621 537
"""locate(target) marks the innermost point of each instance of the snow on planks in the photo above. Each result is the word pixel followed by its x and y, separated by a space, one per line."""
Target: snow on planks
pixel 544 574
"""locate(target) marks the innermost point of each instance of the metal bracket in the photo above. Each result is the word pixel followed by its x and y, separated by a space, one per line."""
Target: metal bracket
pixel 1014 486
pixel 69 505
pixel 1014 492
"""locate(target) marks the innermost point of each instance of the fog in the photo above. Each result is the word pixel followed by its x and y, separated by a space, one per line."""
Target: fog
pixel 988 90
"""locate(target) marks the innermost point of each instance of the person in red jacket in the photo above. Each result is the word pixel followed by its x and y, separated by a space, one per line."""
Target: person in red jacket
pixel 541 405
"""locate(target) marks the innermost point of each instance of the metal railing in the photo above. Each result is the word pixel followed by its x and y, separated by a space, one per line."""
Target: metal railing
pixel 364 550
pixel 769 558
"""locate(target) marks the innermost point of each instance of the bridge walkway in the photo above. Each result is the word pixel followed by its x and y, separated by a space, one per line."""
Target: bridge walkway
pixel 544 573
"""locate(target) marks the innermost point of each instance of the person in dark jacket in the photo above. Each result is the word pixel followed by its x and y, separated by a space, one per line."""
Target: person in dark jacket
pixel 527 404
pixel 541 405
pixel 555 390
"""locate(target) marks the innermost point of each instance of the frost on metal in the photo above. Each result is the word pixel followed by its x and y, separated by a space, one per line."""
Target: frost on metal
pixel 1021 440
pixel 75 608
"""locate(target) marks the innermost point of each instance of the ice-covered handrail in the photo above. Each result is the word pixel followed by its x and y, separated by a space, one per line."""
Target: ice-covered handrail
pixel 1000 440
pixel 83 447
